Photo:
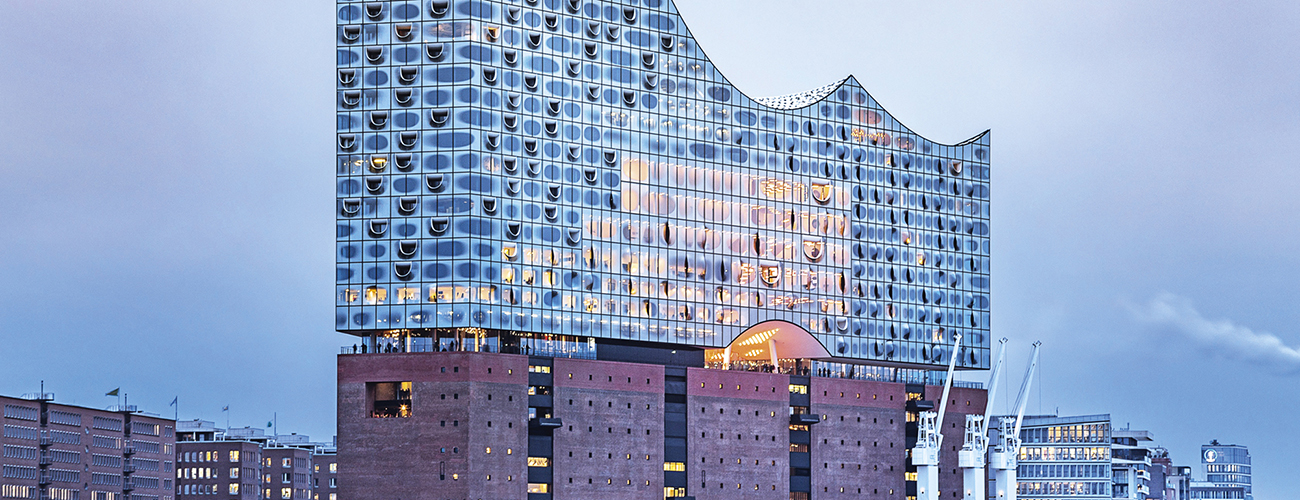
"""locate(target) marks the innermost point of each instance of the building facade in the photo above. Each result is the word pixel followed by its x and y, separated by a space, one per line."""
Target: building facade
pixel 1227 466
pixel 514 172
pixel 244 464
pixel 325 473
pixel 1065 458
pixel 1131 452
pixel 54 451
pixel 546 205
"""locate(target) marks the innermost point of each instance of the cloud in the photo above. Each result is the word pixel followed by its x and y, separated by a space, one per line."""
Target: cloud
pixel 1221 338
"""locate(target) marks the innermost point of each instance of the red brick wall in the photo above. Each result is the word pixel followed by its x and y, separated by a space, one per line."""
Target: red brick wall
pixel 860 444
pixel 961 402
pixel 451 411
pixel 737 432
pixel 613 415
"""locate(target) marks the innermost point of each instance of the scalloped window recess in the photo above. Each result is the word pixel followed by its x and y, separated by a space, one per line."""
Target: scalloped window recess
pixel 651 81
pixel 611 158
pixel 530 147
pixel 512 14
pixel 510 252
pixel 490 76
pixel 404 97
pixel 351 34
pixel 534 40
pixel 510 121
pixel 574 67
pixel 530 82
pixel 553 107
pixel 611 201
pixel 552 128
pixel 351 98
pixel 552 22
pixel 347 77
pixel 551 212
pixel 512 100
pixel 629 98
pixel 611 33
pixel 377 228
pixel 435 182
pixel 378 119
pixel 591 49
pixel 822 191
pixel 404 270
pixel 408 74
pixel 378 163
pixel 573 5
pixel 512 187
pixel 667 43
pixel 593 93
pixel 407 205
pixel 491 33
pixel 593 29
pixel 513 229
pixel 375 10
pixel 574 153
pixel 490 206
pixel 439 8
pixel 770 274
pixel 347 141
pixel 404 31
pixel 574 237
pixel 375 55
pixel 814 249
pixel 511 165
pixel 434 51
pixel 407 248
pixel 648 60
pixel 510 56
pixel 408 140
pixel 492 141
pixel 590 175
pixel 403 161
pixel 351 207
pixel 629 15
pixel 553 192
pixel 438 225
pixel 375 185
pixel 438 117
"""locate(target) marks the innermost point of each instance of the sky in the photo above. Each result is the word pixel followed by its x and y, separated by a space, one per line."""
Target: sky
pixel 168 191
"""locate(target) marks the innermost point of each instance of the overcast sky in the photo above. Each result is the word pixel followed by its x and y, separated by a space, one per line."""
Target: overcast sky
pixel 168 188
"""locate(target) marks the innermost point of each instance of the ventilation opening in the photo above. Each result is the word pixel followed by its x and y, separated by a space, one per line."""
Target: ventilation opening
pixel 434 51
pixel 435 182
pixel 438 226
pixel 407 205
pixel 439 8
pixel 408 74
pixel 347 77
pixel 403 96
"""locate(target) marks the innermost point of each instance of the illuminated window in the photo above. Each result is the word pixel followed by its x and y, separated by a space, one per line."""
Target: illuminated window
pixel 286 493
pixel 234 456
pixel 389 399
pixel 539 488
pixel 539 462
pixel 234 472
pixel 674 467
pixel 334 468
pixel 234 488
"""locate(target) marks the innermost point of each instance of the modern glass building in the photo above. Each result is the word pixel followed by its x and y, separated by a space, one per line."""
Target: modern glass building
pixel 1227 466
pixel 547 175
pixel 1065 458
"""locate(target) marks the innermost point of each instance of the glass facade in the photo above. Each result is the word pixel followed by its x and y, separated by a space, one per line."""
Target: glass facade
pixel 1227 466
pixel 581 168
pixel 1065 457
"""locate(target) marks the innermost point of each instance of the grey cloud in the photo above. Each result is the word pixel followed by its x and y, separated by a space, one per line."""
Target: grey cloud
pixel 1220 338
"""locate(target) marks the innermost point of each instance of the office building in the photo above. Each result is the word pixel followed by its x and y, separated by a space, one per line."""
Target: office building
pixel 544 205
pixel 243 464
pixel 54 451
pixel 1177 483
pixel 325 475
pixel 1226 466
pixel 1131 452
pixel 1064 457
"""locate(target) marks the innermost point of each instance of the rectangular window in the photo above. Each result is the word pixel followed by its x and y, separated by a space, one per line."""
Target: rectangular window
pixel 334 468
pixel 17 472
pixel 20 452
pixel 64 418
pixel 234 456
pixel 286 462
pixel 145 428
pixel 539 462
pixel 798 389
pixel 107 424
pixel 22 413
pixel 285 478
pixel 111 443
pixel 334 482
pixel 539 488
pixel 15 491
pixel 286 493
pixel 234 473
pixel 21 432
pixel 674 467
pixel 234 488
pixel 389 399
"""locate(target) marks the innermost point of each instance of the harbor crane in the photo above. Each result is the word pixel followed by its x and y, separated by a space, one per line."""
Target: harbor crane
pixel 971 458
pixel 1006 455
pixel 925 456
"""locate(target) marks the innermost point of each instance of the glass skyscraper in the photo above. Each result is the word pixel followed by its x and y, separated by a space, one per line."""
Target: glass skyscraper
pixel 579 170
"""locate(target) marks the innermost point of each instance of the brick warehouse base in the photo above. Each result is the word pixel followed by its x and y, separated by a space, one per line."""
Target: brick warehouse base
pixel 456 426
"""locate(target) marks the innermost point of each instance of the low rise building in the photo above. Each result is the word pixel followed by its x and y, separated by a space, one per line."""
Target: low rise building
pixel 243 464
pixel 55 451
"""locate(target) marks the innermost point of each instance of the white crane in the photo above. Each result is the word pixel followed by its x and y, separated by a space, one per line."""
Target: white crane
pixel 925 456
pixel 1006 456
pixel 972 454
